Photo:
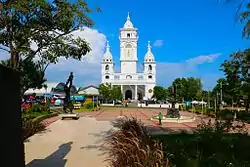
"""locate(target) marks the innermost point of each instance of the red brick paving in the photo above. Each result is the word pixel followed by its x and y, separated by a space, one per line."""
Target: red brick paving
pixel 51 120
pixel 143 115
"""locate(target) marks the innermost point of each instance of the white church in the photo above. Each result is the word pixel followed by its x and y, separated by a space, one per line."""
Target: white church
pixel 134 85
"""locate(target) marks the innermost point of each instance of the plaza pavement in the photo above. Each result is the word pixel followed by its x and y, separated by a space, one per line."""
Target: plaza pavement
pixel 77 143
pixel 68 143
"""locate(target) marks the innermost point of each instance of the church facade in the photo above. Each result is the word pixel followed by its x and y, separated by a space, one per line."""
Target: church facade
pixel 134 85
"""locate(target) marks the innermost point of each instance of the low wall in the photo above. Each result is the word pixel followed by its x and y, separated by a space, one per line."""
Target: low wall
pixel 107 105
pixel 157 105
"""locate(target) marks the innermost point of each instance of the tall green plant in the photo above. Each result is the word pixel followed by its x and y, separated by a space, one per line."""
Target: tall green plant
pixel 132 146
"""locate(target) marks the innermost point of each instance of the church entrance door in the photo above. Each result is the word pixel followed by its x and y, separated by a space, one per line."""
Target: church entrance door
pixel 139 95
pixel 128 94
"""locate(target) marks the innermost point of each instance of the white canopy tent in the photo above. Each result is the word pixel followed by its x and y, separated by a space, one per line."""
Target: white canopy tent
pixel 199 102
pixel 41 91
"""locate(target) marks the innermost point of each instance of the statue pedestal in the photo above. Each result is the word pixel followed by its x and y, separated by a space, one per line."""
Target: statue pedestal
pixel 70 115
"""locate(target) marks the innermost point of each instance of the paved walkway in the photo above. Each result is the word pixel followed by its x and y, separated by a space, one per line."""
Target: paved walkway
pixel 68 143
pixel 77 143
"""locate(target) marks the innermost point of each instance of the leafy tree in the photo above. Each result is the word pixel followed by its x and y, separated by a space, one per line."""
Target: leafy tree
pixel 105 91
pixel 187 89
pixel 194 88
pixel 181 89
pixel 41 29
pixel 237 71
pixel 204 95
pixel 110 92
pixel 244 18
pixel 48 24
pixel 116 93
pixel 160 93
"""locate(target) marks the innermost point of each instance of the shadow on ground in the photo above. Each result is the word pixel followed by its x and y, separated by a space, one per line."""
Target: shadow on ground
pixel 56 159
pixel 99 144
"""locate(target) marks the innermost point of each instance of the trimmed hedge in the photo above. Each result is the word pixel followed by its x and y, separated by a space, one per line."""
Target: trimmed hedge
pixel 43 117
pixel 243 116
pixel 226 114
pixel 33 126
pixel 206 150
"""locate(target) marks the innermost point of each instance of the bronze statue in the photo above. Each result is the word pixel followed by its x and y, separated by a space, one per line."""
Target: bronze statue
pixel 67 103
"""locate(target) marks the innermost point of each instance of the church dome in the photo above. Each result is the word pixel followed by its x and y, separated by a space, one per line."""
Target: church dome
pixel 107 57
pixel 149 57
pixel 128 23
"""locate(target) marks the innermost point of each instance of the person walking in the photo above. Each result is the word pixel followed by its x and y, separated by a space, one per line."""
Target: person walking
pixel 160 118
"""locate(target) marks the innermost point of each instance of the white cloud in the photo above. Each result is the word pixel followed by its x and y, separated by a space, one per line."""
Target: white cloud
pixel 202 59
pixel 88 70
pixel 167 72
pixel 158 43
pixel 4 55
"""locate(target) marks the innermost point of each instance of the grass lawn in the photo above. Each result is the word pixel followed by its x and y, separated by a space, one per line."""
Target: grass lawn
pixel 83 109
pixel 206 150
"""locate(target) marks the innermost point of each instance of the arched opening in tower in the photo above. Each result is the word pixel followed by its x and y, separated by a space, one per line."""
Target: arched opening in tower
pixel 150 68
pixel 107 67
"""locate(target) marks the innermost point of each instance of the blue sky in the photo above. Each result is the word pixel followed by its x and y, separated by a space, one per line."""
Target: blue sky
pixel 185 28
pixel 193 37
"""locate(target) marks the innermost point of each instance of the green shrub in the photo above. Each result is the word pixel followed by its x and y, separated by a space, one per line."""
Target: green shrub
pixel 90 105
pixel 31 127
pixel 209 146
pixel 36 107
pixel 225 114
pixel 210 111
pixel 244 116
pixel 132 146
pixel 32 124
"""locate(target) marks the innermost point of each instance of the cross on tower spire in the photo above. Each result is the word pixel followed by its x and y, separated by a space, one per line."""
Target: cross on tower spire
pixel 149 46
pixel 128 17
pixel 107 45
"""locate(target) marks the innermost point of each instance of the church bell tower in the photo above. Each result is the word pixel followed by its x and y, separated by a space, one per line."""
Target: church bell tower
pixel 128 47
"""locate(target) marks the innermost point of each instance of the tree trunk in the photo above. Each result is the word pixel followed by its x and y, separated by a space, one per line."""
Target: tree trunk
pixel 247 104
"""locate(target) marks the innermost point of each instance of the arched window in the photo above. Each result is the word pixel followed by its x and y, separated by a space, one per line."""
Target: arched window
pixel 107 67
pixel 128 35
pixel 128 77
pixel 150 67
pixel 128 50
pixel 128 46
pixel 106 77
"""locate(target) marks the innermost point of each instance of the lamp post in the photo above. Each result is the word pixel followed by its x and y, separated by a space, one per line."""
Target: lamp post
pixel 221 105
pixel 221 94
pixel 173 96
